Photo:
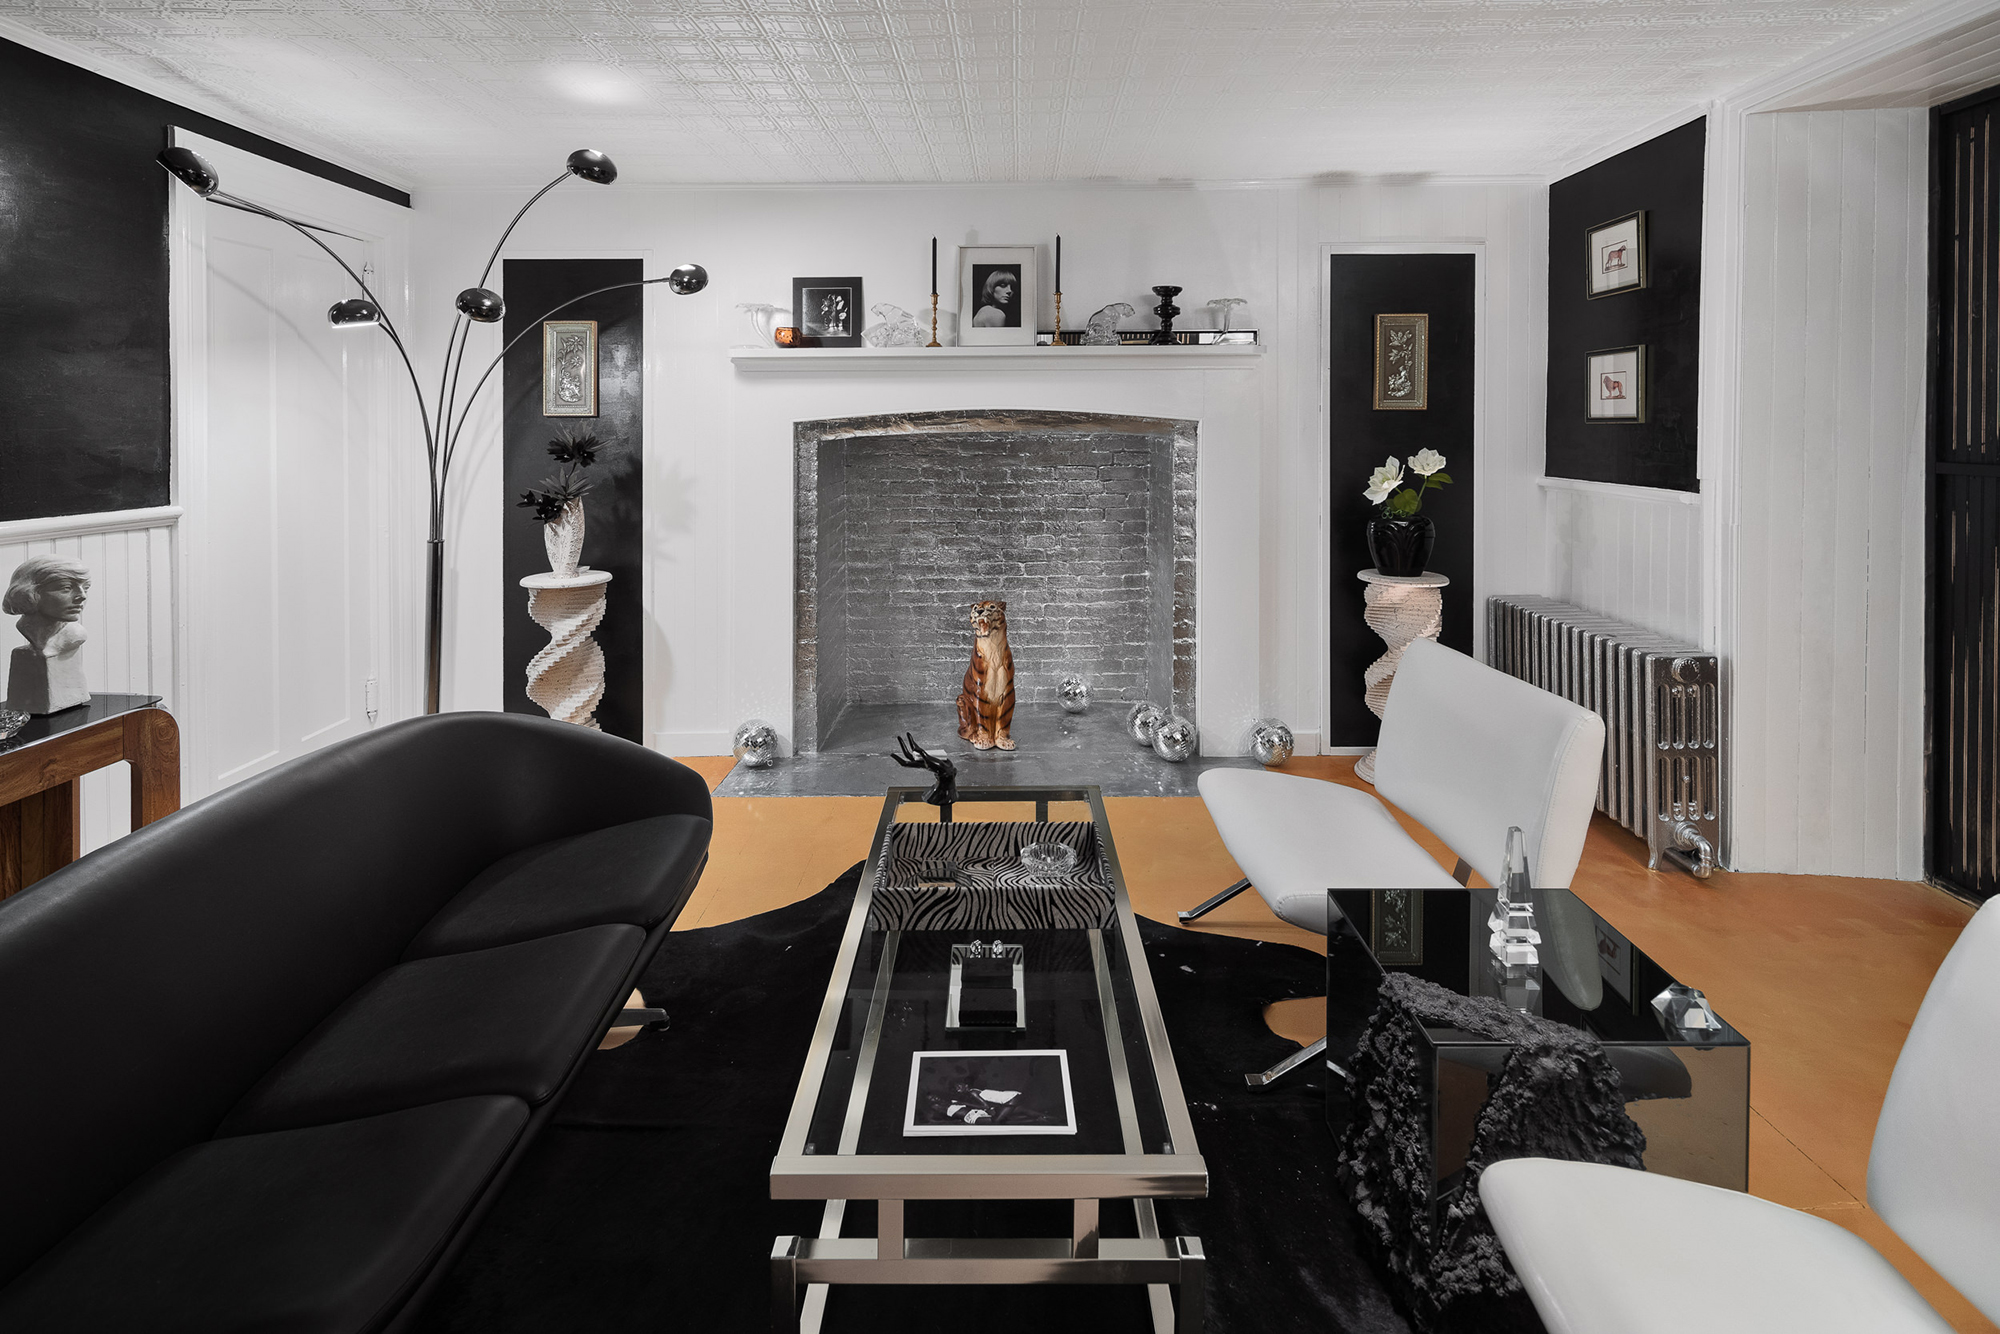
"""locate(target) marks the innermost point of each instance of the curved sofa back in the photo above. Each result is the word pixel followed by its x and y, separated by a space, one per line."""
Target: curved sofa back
pixel 146 988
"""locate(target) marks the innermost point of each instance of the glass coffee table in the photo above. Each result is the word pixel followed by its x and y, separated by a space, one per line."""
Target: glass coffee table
pixel 990 1034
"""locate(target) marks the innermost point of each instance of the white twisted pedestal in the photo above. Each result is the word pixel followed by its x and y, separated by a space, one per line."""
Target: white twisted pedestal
pixel 567 677
pixel 1401 608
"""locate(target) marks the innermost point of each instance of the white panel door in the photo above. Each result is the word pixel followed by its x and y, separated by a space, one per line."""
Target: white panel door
pixel 278 497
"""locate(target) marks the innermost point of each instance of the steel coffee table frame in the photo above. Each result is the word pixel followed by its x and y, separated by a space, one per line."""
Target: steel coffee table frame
pixel 891 1179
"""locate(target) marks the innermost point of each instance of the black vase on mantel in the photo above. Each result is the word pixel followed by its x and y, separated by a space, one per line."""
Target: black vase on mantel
pixel 1166 310
pixel 1401 547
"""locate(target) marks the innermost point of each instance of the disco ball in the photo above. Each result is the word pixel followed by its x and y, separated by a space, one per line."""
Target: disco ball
pixel 1270 742
pixel 1073 694
pixel 1174 739
pixel 757 744
pixel 1142 720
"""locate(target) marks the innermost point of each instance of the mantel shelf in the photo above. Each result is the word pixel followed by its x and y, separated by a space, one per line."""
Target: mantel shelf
pixel 847 359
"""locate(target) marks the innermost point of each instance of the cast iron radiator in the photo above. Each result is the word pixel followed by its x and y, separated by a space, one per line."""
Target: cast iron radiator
pixel 1661 705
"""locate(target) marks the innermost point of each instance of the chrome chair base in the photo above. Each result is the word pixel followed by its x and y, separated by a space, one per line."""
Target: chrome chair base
pixel 1216 902
pixel 1291 1063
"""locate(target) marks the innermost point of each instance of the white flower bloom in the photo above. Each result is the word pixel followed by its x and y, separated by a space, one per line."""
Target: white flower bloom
pixel 1384 480
pixel 1425 462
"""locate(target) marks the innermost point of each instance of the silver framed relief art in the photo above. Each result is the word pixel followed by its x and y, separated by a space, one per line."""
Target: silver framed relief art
pixel 1614 256
pixel 569 368
pixel 1402 362
pixel 1617 388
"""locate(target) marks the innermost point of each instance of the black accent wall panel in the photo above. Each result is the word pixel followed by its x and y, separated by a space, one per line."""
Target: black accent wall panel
pixel 1663 177
pixel 1361 436
pixel 83 284
pixel 533 287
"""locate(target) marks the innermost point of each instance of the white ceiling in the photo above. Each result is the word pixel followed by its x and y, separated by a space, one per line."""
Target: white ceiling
pixel 467 92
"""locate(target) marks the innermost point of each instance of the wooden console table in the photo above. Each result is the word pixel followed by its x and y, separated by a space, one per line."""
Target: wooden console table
pixel 40 766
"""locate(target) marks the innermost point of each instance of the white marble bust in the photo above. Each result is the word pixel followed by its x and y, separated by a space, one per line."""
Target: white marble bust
pixel 45 676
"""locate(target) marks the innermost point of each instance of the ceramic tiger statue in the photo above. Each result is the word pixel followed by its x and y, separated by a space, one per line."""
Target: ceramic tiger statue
pixel 986 702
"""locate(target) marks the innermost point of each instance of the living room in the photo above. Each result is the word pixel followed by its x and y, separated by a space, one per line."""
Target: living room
pixel 1210 427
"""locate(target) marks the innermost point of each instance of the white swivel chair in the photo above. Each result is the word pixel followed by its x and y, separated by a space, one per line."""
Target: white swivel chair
pixel 1606 1250
pixel 1468 752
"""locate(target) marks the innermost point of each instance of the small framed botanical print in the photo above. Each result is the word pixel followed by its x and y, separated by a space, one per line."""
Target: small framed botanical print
pixel 1402 362
pixel 828 311
pixel 569 368
pixel 1614 256
pixel 1617 390
pixel 998 298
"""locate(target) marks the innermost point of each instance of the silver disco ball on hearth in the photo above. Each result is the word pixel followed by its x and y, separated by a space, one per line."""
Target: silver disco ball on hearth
pixel 1175 739
pixel 756 744
pixel 1073 693
pixel 1142 720
pixel 1270 742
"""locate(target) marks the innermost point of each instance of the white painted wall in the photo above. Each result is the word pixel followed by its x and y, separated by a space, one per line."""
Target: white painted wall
pixel 719 447
pixel 1829 580
pixel 1628 551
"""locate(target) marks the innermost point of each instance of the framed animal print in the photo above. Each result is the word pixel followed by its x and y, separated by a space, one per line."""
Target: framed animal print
pixel 569 368
pixel 827 311
pixel 1402 363
pixel 1614 256
pixel 998 297
pixel 1617 389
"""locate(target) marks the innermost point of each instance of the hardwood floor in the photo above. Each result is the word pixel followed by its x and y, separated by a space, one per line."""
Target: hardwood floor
pixel 1824 974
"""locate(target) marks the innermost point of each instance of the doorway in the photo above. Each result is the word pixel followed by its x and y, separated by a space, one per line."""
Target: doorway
pixel 1963 615
pixel 279 426
pixel 1360 436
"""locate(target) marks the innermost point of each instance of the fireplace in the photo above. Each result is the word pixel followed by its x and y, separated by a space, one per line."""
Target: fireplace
pixel 1083 523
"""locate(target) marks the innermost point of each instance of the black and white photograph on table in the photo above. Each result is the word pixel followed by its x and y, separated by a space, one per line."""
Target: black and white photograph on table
pixel 829 310
pixel 1617 388
pixel 998 296
pixel 569 368
pixel 990 1093
pixel 1614 256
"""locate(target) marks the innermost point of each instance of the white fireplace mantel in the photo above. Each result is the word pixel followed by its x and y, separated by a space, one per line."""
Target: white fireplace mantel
pixel 908 360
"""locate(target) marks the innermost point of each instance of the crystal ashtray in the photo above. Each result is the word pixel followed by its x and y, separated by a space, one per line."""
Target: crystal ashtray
pixel 11 721
pixel 1048 858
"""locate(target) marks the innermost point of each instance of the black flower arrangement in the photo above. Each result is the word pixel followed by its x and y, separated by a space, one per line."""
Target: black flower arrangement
pixel 573 453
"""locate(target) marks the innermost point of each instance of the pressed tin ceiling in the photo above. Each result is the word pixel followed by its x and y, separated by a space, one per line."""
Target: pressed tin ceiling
pixel 465 92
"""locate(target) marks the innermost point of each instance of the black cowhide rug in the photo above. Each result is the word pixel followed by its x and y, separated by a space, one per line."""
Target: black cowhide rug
pixel 645 1205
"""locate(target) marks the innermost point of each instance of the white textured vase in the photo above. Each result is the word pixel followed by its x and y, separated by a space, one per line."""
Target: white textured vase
pixel 564 539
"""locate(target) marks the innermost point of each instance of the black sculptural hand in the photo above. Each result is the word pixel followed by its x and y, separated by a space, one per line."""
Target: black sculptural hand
pixel 945 791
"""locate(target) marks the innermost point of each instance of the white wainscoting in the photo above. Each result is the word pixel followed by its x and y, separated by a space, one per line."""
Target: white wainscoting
pixel 1829 581
pixel 1633 552
pixel 130 618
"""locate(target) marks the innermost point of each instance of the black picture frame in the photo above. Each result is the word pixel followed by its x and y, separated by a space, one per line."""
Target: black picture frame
pixel 1624 368
pixel 812 316
pixel 1622 239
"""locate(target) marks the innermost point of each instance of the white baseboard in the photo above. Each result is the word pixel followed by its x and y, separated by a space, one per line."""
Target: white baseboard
pixel 694 743
pixel 1341 750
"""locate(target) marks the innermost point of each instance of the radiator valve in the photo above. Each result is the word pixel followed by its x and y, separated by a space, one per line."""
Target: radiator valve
pixel 1691 852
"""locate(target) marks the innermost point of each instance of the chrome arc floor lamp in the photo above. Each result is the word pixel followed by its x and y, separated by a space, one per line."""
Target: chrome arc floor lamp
pixel 444 417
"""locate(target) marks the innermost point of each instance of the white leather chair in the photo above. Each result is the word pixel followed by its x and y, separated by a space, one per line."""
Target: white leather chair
pixel 1468 752
pixel 1606 1249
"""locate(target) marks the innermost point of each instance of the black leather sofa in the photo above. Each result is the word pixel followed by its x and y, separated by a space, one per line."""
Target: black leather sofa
pixel 263 1062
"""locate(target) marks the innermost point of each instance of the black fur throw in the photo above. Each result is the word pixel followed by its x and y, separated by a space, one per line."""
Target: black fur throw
pixel 1557 1096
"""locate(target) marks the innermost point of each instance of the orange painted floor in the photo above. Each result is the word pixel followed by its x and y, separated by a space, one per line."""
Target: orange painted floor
pixel 1823 974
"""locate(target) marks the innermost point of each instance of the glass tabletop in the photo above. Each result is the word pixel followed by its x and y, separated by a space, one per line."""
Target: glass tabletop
pixel 991 1009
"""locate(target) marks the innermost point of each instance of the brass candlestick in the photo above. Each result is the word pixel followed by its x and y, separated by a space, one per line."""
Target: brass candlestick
pixel 934 342
pixel 1059 342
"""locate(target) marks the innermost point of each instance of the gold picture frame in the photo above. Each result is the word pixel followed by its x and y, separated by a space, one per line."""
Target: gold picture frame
pixel 569 368
pixel 1402 363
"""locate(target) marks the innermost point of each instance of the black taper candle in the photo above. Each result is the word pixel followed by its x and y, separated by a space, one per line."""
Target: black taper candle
pixel 933 266
pixel 1059 261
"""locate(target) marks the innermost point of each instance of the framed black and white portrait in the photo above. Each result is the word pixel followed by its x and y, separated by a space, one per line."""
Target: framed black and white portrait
pixel 1617 388
pixel 997 296
pixel 1614 256
pixel 828 311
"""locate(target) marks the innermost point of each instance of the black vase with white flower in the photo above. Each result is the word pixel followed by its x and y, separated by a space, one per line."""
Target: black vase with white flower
pixel 1400 538
pixel 558 502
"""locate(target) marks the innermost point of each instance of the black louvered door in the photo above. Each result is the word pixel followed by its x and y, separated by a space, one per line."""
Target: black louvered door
pixel 1964 611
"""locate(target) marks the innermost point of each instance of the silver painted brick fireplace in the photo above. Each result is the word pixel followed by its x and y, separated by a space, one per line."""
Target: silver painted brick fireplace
pixel 1083 523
